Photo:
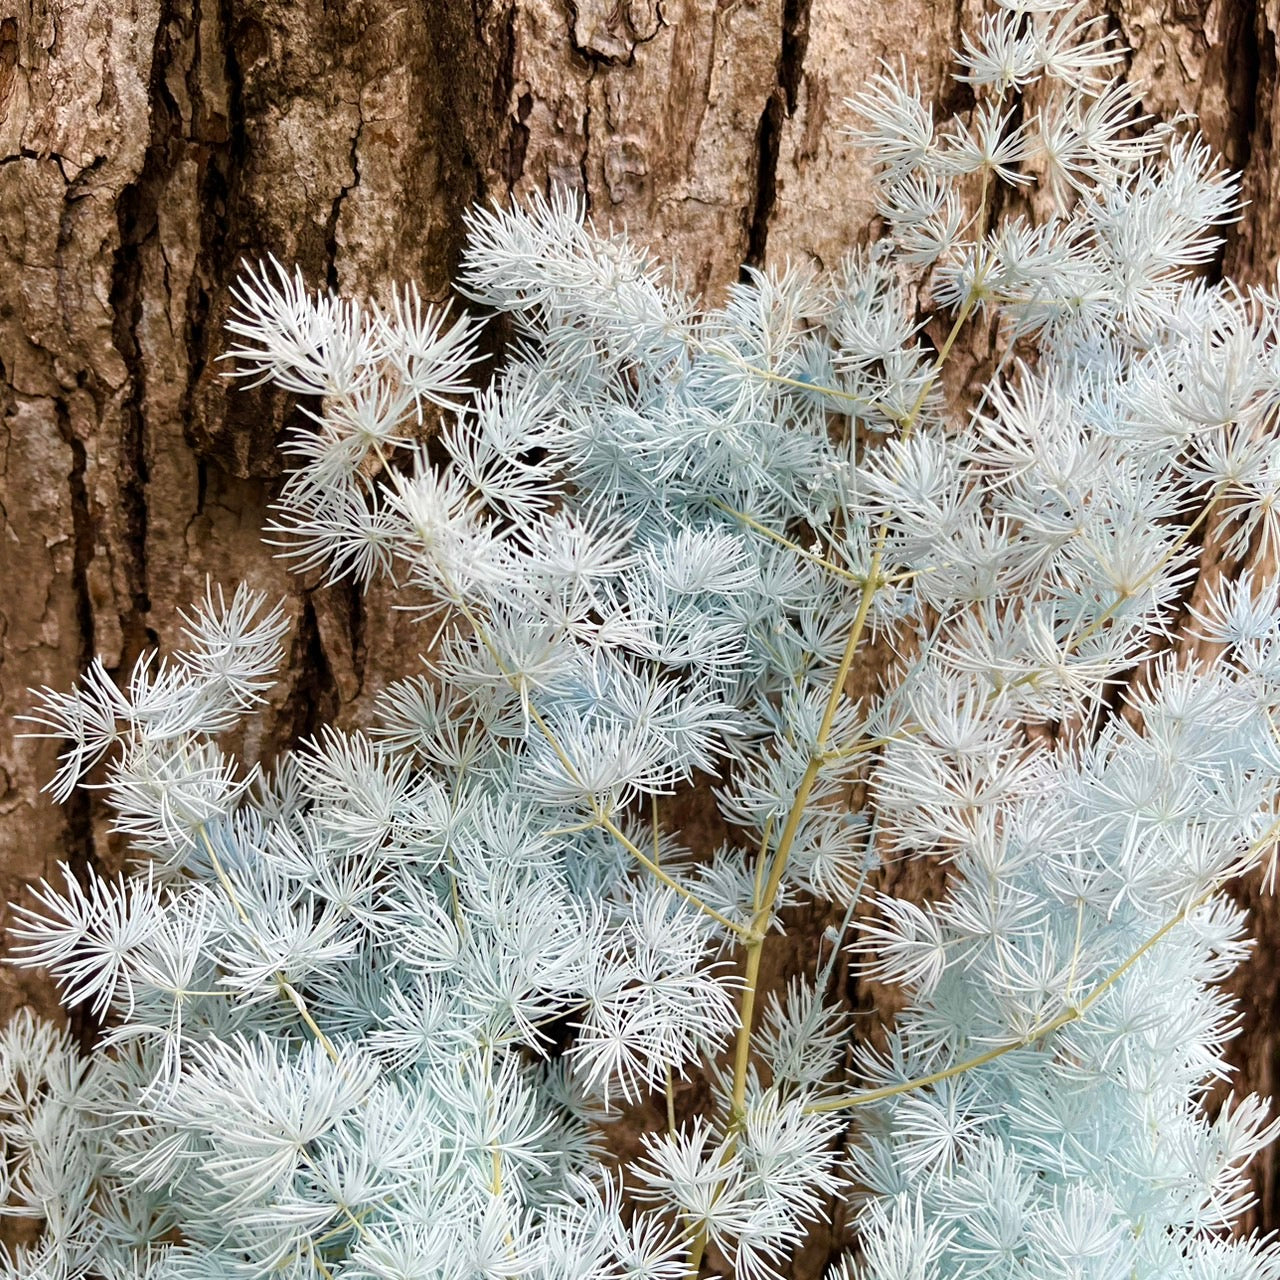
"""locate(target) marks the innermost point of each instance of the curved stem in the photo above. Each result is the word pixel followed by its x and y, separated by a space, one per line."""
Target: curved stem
pixel 283 985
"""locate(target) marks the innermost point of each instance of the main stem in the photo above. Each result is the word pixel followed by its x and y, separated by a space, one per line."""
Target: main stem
pixel 764 900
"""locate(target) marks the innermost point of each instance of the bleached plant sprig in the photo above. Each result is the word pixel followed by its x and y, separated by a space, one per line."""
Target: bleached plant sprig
pixel 375 1012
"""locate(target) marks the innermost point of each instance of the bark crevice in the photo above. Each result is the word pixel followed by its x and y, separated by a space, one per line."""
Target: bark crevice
pixel 1250 57
pixel 137 224
pixel 78 847
pixel 780 107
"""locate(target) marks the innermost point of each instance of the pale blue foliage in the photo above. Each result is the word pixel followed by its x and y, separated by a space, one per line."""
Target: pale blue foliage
pixel 374 1012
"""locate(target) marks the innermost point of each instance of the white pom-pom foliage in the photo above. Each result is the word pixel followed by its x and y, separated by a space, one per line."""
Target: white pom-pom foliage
pixel 382 1010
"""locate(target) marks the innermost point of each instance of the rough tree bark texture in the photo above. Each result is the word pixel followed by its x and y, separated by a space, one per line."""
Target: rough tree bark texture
pixel 146 145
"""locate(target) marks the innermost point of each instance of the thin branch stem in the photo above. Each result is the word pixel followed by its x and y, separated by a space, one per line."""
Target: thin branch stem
pixel 517 685
pixel 283 985
pixel 1070 1014
pixel 1073 1012
pixel 799 384
pixel 812 556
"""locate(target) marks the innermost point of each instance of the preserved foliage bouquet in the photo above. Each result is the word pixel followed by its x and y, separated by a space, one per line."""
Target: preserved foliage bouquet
pixel 374 1009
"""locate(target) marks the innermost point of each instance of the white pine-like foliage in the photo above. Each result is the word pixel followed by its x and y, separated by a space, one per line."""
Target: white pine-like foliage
pixel 374 1012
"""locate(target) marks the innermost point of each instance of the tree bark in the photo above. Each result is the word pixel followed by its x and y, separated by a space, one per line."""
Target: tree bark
pixel 147 146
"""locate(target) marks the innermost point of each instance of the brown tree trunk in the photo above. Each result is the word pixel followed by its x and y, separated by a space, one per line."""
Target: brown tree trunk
pixel 147 145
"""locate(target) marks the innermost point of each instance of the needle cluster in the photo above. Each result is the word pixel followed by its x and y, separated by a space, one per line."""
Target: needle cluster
pixel 382 1008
